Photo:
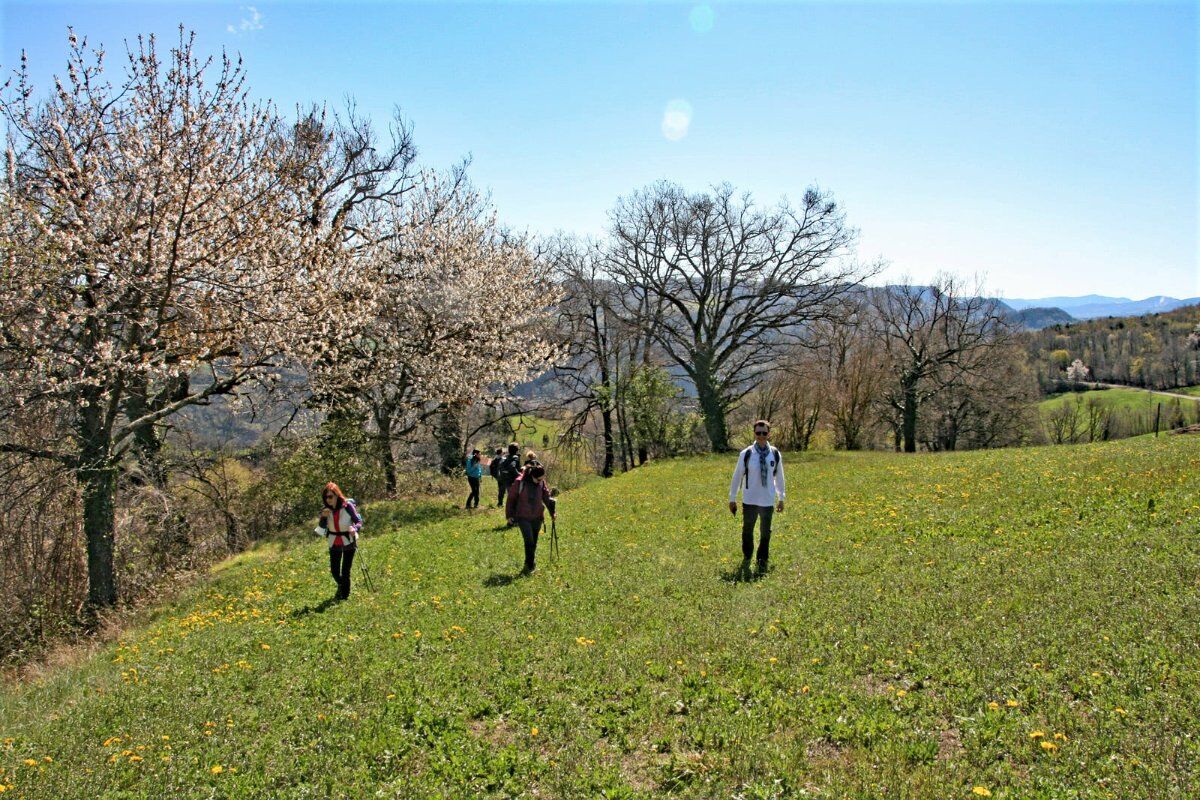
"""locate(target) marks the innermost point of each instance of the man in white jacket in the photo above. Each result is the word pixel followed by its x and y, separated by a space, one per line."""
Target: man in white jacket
pixel 759 474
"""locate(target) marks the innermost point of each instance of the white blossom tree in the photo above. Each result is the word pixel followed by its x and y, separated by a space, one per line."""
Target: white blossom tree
pixel 1078 372
pixel 431 346
pixel 153 258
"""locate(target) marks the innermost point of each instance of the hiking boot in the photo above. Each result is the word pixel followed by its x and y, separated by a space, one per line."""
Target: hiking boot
pixel 761 568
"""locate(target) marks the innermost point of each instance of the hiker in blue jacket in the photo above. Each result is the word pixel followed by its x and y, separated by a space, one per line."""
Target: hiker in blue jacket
pixel 759 474
pixel 474 471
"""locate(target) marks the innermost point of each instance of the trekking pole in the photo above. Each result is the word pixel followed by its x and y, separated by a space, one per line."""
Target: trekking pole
pixel 365 570
pixel 553 538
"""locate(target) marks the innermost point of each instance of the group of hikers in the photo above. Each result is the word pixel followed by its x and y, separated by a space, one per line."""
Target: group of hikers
pixel 525 496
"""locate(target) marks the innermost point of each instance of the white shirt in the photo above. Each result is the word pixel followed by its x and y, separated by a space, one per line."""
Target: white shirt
pixel 754 493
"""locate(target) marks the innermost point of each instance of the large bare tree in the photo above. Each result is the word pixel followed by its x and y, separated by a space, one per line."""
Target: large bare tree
pixel 151 259
pixel 934 337
pixel 733 280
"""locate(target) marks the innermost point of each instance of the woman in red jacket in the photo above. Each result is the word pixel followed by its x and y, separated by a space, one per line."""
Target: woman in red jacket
pixel 528 498
pixel 340 524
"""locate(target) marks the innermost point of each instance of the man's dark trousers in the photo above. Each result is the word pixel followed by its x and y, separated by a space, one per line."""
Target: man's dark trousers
pixel 749 515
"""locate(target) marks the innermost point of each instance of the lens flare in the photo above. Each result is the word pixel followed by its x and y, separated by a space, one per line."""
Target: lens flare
pixel 677 118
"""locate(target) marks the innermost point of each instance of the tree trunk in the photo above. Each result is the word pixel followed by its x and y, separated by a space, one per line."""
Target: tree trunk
pixel 383 421
pixel 909 420
pixel 99 480
pixel 450 438
pixel 714 415
pixel 606 423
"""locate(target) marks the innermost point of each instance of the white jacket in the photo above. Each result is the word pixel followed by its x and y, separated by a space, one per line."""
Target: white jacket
pixel 753 492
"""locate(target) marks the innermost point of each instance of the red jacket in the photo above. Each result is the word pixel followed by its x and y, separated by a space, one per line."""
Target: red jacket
pixel 528 500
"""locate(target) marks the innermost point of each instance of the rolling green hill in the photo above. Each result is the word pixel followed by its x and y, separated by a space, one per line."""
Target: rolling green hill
pixel 1011 623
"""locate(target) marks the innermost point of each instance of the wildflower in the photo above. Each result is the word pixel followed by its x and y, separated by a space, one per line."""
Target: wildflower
pixel 1036 734
pixel 135 759
pixel 416 634
pixel 1049 746
pixel 1011 703
pixel 533 731
pixel 1062 737
pixel 994 706
pixel 217 769
pixel 265 646
pixel 1120 710
pixel 982 791
pixel 901 693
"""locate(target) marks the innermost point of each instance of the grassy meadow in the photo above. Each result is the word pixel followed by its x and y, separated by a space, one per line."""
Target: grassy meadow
pixel 1007 624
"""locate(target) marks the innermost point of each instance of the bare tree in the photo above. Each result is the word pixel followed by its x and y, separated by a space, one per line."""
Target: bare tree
pixel 591 329
pixel 933 336
pixel 733 281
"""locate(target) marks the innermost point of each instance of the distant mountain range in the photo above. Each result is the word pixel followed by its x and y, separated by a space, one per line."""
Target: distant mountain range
pixel 1091 306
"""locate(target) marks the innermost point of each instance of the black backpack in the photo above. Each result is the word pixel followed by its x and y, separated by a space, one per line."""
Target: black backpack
pixel 510 468
pixel 746 464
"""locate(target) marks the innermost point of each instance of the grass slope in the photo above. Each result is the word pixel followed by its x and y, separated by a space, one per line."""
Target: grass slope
pixel 1017 623
pixel 1112 399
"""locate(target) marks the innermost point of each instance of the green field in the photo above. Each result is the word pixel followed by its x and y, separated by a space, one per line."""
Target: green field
pixel 1011 623
pixel 1112 399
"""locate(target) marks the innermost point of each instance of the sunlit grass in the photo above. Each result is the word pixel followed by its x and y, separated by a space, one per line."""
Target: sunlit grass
pixel 1025 622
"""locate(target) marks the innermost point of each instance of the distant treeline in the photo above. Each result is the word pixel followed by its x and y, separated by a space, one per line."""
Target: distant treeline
pixel 1156 351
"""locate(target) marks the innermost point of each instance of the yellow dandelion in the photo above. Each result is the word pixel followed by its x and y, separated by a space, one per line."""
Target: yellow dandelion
pixel 416 634
pixel 1011 703
pixel 265 646
pixel 31 762
pixel 1062 737
pixel 533 731
pixel 994 706
pixel 982 791
pixel 1049 746
pixel 901 693
pixel 1120 710
pixel 135 759
pixel 804 689
pixel 217 769
pixel 1036 734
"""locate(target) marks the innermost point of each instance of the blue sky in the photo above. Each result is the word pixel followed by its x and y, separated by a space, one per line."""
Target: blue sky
pixel 1051 148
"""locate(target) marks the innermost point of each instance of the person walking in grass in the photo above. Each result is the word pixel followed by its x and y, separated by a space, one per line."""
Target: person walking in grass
pixel 528 499
pixel 339 524
pixel 759 475
pixel 474 471
pixel 509 469
pixel 494 471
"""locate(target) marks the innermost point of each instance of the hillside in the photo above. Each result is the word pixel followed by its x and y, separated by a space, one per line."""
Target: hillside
pixel 1011 623
pixel 1093 306
pixel 1156 351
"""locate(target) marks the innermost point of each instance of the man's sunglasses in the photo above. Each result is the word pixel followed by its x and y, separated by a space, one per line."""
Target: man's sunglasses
pixel 762 433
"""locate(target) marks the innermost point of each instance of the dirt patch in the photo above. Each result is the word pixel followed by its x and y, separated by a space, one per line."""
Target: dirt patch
pixel 822 754
pixel 949 744
pixel 495 732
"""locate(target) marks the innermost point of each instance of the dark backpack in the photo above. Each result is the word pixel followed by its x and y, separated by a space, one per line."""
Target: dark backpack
pixel 510 468
pixel 746 464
